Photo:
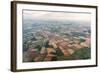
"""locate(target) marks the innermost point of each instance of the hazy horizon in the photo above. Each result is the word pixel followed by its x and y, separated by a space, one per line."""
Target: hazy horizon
pixel 49 15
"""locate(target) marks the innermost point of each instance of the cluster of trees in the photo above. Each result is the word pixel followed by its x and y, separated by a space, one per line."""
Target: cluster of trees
pixel 83 53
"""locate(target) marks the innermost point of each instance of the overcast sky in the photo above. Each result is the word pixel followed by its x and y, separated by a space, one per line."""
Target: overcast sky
pixel 47 15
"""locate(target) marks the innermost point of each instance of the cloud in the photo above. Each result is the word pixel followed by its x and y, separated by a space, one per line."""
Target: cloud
pixel 47 15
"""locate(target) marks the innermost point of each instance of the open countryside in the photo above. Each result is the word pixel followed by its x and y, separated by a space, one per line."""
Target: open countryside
pixel 56 36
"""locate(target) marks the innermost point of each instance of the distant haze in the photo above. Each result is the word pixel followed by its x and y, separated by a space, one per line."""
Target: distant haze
pixel 49 15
